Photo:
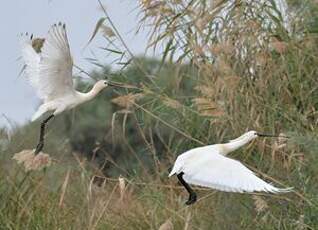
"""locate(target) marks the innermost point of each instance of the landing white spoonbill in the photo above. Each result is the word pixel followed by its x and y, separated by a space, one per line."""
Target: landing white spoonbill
pixel 49 70
pixel 208 166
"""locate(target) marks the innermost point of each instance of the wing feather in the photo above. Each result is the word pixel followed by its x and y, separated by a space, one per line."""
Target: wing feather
pixel 50 71
pixel 222 173
pixel 56 64
pixel 31 60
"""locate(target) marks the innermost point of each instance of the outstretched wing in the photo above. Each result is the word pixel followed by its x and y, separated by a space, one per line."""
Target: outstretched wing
pixel 50 71
pixel 55 69
pixel 219 172
pixel 31 61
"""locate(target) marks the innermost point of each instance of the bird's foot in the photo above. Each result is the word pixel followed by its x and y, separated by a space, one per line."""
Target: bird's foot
pixel 39 147
pixel 192 199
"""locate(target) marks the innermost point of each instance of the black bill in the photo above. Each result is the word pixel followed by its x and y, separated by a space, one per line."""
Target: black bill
pixel 120 85
pixel 270 135
pixel 114 84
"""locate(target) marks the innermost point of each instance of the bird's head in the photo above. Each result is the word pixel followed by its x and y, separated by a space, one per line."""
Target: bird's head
pixel 250 135
pixel 100 85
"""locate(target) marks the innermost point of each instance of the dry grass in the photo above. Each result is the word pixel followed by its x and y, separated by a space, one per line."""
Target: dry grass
pixel 30 161
pixel 211 85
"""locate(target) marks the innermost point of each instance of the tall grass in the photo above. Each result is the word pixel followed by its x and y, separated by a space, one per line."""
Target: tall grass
pixel 213 82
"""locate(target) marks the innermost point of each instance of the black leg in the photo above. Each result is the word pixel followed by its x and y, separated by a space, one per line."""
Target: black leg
pixel 40 145
pixel 192 195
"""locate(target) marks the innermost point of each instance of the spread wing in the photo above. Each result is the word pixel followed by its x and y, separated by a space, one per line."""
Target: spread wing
pixel 222 173
pixel 31 60
pixel 50 71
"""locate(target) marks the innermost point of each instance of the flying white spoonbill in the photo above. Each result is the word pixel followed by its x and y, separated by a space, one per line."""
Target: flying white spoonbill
pixel 209 167
pixel 49 71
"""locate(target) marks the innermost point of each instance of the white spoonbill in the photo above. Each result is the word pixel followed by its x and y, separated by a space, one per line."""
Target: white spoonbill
pixel 49 71
pixel 209 167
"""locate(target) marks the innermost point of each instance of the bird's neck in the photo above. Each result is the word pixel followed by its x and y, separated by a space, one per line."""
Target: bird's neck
pixel 90 94
pixel 233 145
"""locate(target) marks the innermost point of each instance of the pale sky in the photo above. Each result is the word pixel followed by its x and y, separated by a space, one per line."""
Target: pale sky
pixel 17 99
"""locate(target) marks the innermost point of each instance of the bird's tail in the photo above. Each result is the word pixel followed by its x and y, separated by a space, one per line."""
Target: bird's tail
pixel 41 110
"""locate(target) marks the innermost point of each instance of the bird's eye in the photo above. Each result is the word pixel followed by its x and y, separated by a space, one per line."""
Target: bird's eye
pixel 105 82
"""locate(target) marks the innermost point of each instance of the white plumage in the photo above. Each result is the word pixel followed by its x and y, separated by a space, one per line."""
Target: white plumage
pixel 209 167
pixel 49 71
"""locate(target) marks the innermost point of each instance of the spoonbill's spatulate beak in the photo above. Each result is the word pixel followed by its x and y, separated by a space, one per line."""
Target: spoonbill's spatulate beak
pixel 114 84
pixel 270 135
pixel 120 85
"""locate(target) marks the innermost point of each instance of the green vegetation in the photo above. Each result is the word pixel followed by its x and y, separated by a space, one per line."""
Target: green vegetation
pixel 211 85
